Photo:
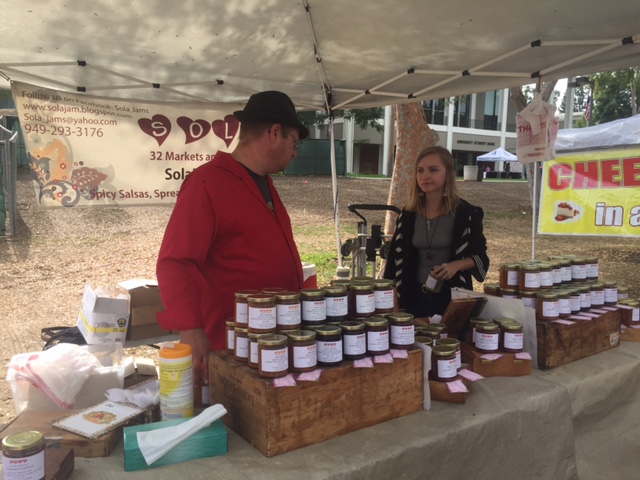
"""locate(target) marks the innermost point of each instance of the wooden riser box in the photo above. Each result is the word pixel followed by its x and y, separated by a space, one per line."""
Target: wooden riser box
pixel 505 366
pixel 345 399
pixel 559 344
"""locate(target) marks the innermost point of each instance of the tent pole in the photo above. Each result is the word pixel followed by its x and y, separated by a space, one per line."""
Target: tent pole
pixel 533 219
pixel 334 185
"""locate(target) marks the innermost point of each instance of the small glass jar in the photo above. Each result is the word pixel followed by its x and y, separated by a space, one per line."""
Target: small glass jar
pixel 362 301
pixel 314 307
pixel 273 356
pixel 592 268
pixel 487 337
pixel 337 303
pixel 425 340
pixel 303 351
pixel 23 456
pixel 556 273
pixel 436 330
pixel 455 343
pixel 354 340
pixel 529 278
pixel 329 345
pixel 242 308
pixel 578 270
pixel 574 300
pixel 288 310
pixel 597 295
pixel 529 299
pixel 377 331
pixel 443 363
pixel 491 289
pixel 546 276
pixel 509 275
pixel 548 306
pixel 473 322
pixel 512 337
pixel 585 297
pixel 384 296
pixel 509 293
pixel 433 284
pixel 612 293
pixel 231 335
pixel 252 359
pixel 565 266
pixel 241 345
pixel 564 303
pixel 629 312
pixel 623 293
pixel 401 330
pixel 262 313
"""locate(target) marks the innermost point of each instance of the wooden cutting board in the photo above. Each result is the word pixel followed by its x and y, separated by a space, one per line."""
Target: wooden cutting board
pixel 82 446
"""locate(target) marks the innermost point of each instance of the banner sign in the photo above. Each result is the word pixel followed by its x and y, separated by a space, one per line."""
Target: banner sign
pixel 97 151
pixel 591 193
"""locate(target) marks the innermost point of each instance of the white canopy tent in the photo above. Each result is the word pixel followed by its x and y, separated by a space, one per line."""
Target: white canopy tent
pixel 497 155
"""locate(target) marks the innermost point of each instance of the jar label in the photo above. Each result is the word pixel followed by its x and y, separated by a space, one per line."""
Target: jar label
pixel 566 274
pixel 513 340
pixel 458 359
pixel 355 344
pixel 597 298
pixel 532 280
pixel 550 309
pixel 305 356
pixel 383 299
pixel 611 295
pixel 262 318
pixel 176 387
pixel 578 272
pixel 27 468
pixel 242 347
pixel 288 314
pixel 592 270
pixel 512 278
pixel 378 341
pixel 253 352
pixel 242 310
pixel 314 310
pixel 546 278
pixel 557 276
pixel 487 341
pixel 529 302
pixel 337 306
pixel 329 352
pixel 564 306
pixel 231 336
pixel 635 316
pixel 402 335
pixel 447 368
pixel 585 300
pixel 574 301
pixel 365 303
pixel 433 284
pixel 274 360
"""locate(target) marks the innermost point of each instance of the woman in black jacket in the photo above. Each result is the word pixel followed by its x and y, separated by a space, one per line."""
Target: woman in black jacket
pixel 438 239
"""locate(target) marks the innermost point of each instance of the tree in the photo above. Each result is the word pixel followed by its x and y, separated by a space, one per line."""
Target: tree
pixel 363 117
pixel 615 95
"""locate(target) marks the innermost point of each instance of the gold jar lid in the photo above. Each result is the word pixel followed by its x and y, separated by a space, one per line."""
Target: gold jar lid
pixel 591 259
pixel 312 293
pixel 630 302
pixel 272 340
pixel 490 327
pixel 341 281
pixel 577 261
pixel 362 280
pixel 621 288
pixel 301 335
pixel 382 283
pixel 584 289
pixel 503 320
pixel 612 284
pixel 527 293
pixel 361 287
pixel 401 317
pixel 597 286
pixel 509 291
pixel 563 293
pixel 230 323
pixel 545 266
pixel 22 441
pixel 530 267
pixel 240 330
pixel 451 342
pixel 327 330
pixel 424 339
pixel 256 336
pixel 439 327
pixel 243 294
pixel 287 296
pixel 443 350
pixel 376 322
pixel 510 266
pixel 477 320
pixel 512 326
pixel 273 290
pixel 548 295
pixel 260 299
pixel 352 325
pixel 335 290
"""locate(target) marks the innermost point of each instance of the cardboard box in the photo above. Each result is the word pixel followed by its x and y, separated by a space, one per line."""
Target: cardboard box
pixel 344 399
pixel 143 292
pixel 559 344
pixel 104 316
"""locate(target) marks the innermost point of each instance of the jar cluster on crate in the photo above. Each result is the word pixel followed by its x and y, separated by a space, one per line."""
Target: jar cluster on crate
pixel 277 331
pixel 558 287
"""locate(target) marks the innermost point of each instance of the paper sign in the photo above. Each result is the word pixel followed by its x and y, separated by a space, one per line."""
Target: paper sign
pixel 491 356
pixel 395 353
pixel 457 387
pixel 564 322
pixel 286 381
pixel 388 358
pixel 365 362
pixel 312 376
pixel 523 356
pixel 469 375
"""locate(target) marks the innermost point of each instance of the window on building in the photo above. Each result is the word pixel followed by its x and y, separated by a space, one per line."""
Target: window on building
pixel 491 107
pixel 434 111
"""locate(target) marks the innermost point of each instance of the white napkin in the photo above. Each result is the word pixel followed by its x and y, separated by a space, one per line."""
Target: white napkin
pixel 155 443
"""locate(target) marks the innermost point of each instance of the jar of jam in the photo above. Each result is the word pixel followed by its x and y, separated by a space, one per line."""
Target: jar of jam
pixel 565 266
pixel 512 337
pixel 473 322
pixel 242 307
pixel 585 297
pixel 231 334
pixel 630 312
pixel 574 300
pixel 23 456
pixel 329 345
pixel 455 343
pixel 384 296
pixel 487 337
pixel 401 330
pixel 303 351
pixel 443 363
pixel 288 310
pixel 597 295
pixel 623 293
pixel 578 270
pixel 529 278
pixel 529 298
pixel 425 340
pixel 252 359
pixel 433 284
pixel 564 303
pixel 509 275
pixel 337 303
pixel 362 301
pixel 273 356
pixel 509 293
pixel 377 332
pixel 491 289
pixel 546 276
pixel 612 293
pixel 592 268
pixel 556 273
pixel 548 306
pixel 354 339
pixel 436 330
pixel 314 307
pixel 262 313
pixel 241 345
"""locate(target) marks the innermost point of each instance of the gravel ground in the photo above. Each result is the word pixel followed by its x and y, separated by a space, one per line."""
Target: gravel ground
pixel 44 267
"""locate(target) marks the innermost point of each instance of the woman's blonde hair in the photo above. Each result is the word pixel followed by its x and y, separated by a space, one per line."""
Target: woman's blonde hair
pixel 450 199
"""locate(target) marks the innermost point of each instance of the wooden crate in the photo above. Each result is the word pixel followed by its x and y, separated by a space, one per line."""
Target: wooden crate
pixel 345 399
pixel 505 366
pixel 440 393
pixel 559 344
pixel 630 334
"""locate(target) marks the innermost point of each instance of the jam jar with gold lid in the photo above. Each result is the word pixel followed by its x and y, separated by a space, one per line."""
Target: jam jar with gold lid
pixel 529 278
pixel 288 310
pixel 273 356
pixel 329 345
pixel 242 307
pixel 314 307
pixel 23 456
pixel 548 306
pixel 401 330
pixel 354 339
pixel 487 337
pixel 362 301
pixel 337 303
pixel 303 351
pixel 509 275
pixel 443 363
pixel 384 296
pixel 512 337
pixel 377 333
pixel 262 313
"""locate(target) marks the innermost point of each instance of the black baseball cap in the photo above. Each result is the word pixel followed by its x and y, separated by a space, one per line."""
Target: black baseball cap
pixel 272 106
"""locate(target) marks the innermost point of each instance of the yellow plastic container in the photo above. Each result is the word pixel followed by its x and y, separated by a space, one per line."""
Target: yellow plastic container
pixel 176 381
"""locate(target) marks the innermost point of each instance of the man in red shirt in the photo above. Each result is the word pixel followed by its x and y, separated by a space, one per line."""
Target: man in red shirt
pixel 229 230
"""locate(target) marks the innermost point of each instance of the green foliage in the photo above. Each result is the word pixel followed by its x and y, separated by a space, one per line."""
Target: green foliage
pixel 363 117
pixel 615 95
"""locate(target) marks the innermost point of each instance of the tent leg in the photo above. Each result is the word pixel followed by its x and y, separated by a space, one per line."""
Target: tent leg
pixel 334 185
pixel 533 216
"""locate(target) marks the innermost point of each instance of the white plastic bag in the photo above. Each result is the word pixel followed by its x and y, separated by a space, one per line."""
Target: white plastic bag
pixel 59 372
